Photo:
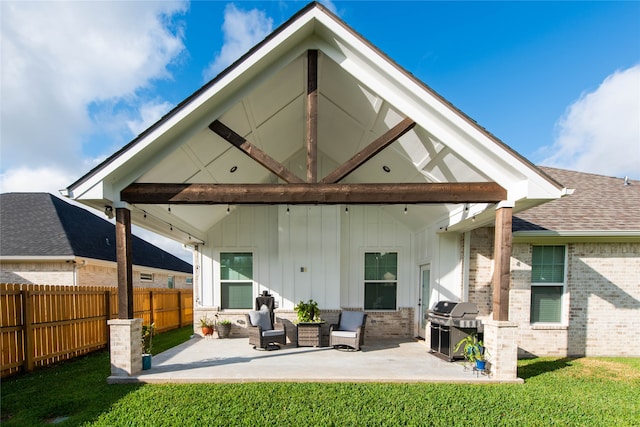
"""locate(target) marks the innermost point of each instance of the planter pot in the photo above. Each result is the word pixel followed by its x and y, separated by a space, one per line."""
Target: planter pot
pixel 224 331
pixel 207 331
pixel 481 364
pixel 146 361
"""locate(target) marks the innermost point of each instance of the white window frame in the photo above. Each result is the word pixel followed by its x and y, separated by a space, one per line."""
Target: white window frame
pixel 365 281
pixel 221 281
pixel 563 310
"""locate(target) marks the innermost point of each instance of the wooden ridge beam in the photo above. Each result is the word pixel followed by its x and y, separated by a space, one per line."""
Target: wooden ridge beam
pixel 369 151
pixel 305 193
pixel 312 116
pixel 254 152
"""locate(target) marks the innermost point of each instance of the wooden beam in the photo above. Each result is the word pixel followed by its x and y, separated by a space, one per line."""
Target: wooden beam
pixel 254 152
pixel 502 263
pixel 369 151
pixel 312 116
pixel 253 194
pixel 124 263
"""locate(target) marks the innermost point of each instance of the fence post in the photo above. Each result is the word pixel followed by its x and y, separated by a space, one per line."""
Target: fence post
pixel 151 316
pixel 28 345
pixel 107 315
pixel 180 309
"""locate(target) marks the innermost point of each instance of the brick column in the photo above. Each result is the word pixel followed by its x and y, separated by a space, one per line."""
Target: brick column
pixel 501 340
pixel 126 346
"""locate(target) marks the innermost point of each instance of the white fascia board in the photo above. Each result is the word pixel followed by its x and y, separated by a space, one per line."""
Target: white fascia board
pixel 551 236
pixel 499 163
pixel 35 258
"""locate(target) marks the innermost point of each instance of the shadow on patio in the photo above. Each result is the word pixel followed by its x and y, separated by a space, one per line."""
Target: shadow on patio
pixel 234 360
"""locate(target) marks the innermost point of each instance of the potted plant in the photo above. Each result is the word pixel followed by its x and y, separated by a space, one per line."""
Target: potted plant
pixel 224 328
pixel 474 351
pixel 206 325
pixel 147 342
pixel 308 312
pixel 309 324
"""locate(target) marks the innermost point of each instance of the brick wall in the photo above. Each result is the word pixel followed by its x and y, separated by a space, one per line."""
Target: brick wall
pixel 601 308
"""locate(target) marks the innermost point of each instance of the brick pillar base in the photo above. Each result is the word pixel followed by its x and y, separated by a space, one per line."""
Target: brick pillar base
pixel 126 346
pixel 501 339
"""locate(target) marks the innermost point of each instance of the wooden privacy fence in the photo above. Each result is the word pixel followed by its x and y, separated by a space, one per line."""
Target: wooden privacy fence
pixel 42 324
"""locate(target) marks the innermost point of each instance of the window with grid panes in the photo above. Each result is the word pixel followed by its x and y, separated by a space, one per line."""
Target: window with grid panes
pixel 547 283
pixel 236 280
pixel 380 280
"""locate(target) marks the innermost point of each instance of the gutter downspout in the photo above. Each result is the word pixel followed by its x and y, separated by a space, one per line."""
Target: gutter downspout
pixel 76 267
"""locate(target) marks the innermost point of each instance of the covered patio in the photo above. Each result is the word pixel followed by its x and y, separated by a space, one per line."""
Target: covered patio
pixel 206 360
pixel 316 168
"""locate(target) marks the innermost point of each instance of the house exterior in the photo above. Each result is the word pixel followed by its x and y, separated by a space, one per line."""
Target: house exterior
pixel 46 240
pixel 317 168
pixel 575 269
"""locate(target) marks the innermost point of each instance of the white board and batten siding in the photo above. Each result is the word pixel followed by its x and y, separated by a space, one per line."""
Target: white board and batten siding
pixel 310 252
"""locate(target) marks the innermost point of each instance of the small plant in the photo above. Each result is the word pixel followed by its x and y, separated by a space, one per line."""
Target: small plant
pixel 472 349
pixel 206 325
pixel 224 322
pixel 205 322
pixel 308 311
pixel 147 338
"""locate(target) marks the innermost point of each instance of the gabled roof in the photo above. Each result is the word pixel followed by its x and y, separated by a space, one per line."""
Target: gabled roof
pixel 361 94
pixel 36 225
pixel 598 205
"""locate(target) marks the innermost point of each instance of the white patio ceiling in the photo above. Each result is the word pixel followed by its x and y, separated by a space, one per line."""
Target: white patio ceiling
pixel 361 95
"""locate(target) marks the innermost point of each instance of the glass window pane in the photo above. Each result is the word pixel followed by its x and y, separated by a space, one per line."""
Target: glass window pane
pixel 380 296
pixel 236 266
pixel 546 303
pixel 237 295
pixel 381 266
pixel 547 264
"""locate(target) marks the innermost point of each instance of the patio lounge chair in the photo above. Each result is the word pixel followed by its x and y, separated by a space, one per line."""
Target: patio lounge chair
pixel 349 331
pixel 264 333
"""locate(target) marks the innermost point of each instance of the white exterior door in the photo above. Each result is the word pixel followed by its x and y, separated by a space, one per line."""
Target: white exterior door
pixel 423 302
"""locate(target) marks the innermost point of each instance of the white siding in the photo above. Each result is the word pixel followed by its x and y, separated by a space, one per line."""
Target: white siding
pixel 371 229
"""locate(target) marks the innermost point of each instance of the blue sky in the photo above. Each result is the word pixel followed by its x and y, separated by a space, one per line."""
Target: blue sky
pixel 559 82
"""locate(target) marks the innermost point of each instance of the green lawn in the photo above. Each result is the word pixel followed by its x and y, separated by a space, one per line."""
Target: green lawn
pixel 557 392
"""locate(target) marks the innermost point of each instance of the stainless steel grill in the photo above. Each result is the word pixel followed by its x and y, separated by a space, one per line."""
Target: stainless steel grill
pixel 450 322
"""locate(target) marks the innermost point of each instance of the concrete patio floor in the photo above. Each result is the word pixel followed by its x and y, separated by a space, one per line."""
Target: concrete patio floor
pixel 202 360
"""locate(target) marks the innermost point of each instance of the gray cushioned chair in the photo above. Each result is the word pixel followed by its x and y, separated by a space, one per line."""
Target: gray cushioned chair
pixel 349 331
pixel 263 332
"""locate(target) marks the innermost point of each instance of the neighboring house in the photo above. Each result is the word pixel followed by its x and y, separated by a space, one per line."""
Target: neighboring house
pixel 46 240
pixel 575 283
pixel 316 168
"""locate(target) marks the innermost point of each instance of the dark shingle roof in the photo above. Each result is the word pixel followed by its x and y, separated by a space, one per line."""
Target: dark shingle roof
pixel 599 203
pixel 40 224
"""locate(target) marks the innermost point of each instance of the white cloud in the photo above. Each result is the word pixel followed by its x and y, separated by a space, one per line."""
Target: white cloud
pixel 58 59
pixel 150 113
pixel 44 179
pixel 242 30
pixel 600 132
